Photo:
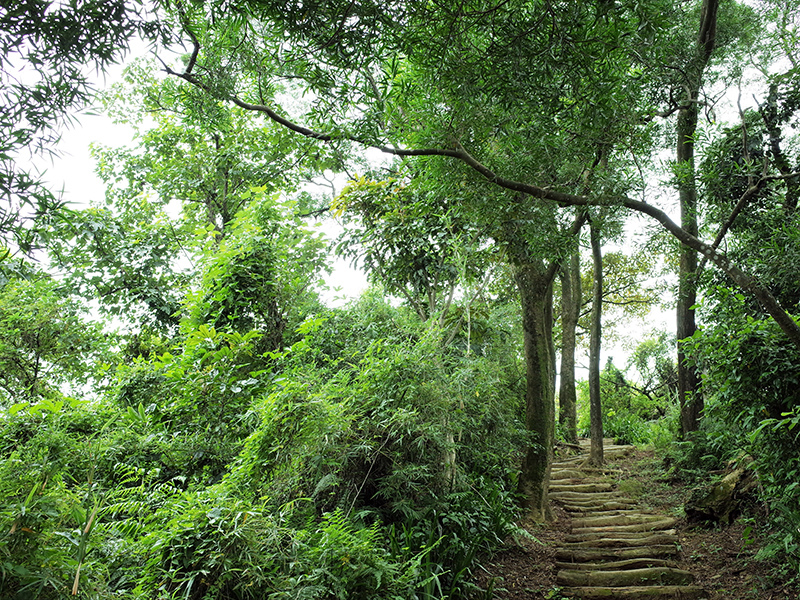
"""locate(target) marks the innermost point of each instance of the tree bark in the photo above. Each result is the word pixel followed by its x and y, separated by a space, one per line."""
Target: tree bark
pixel 535 283
pixel 688 393
pixel 595 403
pixel 570 311
pixel 691 400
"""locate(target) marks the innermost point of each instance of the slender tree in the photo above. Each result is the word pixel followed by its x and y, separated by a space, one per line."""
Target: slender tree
pixel 571 301
pixel 690 399
pixel 595 400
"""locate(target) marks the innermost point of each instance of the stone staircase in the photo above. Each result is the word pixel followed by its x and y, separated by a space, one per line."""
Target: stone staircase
pixel 615 550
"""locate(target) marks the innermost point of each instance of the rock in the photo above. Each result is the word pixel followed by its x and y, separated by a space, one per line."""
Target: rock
pixel 721 502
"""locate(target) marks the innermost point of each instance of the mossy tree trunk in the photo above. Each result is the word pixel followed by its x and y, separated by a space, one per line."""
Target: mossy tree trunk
pixel 570 311
pixel 691 399
pixel 535 282
pixel 595 402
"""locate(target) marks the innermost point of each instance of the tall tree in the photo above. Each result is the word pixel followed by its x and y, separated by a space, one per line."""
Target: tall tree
pixel 534 280
pixel 191 155
pixel 691 399
pixel 571 302
pixel 463 83
pixel 595 400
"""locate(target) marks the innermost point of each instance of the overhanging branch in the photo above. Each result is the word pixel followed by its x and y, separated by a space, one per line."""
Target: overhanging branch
pixel 744 281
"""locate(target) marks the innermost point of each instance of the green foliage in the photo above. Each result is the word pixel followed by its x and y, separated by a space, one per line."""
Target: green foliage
pixel 751 374
pixel 208 546
pixel 125 259
pixel 377 432
pixel 635 413
pixel 368 427
pixel 746 168
pixel 344 561
pixel 412 239
pixel 46 49
pixel 208 163
pixel 215 546
pixel 445 541
pixel 190 147
pixel 362 448
pixel 262 273
pixel 45 342
pixel 50 504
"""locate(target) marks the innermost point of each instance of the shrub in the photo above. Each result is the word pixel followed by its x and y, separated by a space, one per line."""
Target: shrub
pixel 751 376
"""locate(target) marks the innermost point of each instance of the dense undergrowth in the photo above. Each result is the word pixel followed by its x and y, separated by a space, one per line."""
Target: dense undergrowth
pixel 362 462
pixel 366 460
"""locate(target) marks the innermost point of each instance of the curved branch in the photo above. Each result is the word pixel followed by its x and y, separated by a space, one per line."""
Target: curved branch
pixel 195 42
pixel 744 281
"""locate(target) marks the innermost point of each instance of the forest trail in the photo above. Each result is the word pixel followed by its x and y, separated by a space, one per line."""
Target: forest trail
pixel 615 549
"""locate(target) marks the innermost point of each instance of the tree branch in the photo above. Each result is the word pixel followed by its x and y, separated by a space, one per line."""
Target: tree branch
pixel 744 281
pixel 740 206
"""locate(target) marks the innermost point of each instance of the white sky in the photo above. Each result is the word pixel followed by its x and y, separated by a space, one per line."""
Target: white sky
pixel 74 172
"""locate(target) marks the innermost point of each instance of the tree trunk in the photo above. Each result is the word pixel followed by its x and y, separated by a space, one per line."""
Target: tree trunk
pixel 534 281
pixel 690 398
pixel 570 310
pixel 595 406
pixel 688 382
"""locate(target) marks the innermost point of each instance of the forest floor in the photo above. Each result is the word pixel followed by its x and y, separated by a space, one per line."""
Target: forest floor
pixel 722 558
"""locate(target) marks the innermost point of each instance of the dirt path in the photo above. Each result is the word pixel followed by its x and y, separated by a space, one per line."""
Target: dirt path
pixel 615 549
pixel 572 555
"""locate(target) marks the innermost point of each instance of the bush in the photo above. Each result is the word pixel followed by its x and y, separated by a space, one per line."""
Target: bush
pixel 214 546
pixel 363 474
pixel 445 542
pixel 751 377
pixel 625 428
pixel 48 505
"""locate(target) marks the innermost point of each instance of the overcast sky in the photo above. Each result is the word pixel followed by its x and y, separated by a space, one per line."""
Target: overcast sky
pixel 73 171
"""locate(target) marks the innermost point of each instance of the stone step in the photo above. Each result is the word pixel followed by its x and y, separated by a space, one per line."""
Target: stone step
pixel 630 518
pixel 601 554
pixel 580 487
pixel 620 535
pixel 631 563
pixel 665 592
pixel 572 474
pixel 665 523
pixel 630 509
pixel 586 496
pixel 623 542
pixel 616 550
pixel 633 577
pixel 589 506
